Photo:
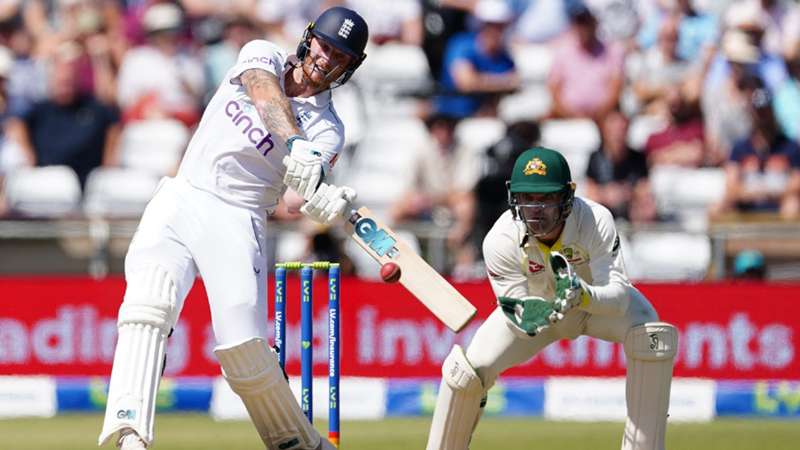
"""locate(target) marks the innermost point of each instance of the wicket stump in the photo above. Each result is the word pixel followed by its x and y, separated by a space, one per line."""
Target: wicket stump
pixel 307 335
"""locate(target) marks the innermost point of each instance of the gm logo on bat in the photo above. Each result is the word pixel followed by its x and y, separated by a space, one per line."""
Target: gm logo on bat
pixel 376 238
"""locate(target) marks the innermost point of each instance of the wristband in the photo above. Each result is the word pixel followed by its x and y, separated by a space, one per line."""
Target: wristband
pixel 290 140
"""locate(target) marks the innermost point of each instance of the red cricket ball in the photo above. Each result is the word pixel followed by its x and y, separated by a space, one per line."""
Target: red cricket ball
pixel 390 272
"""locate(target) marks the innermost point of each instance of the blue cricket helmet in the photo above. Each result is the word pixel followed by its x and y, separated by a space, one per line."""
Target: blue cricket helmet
pixel 342 28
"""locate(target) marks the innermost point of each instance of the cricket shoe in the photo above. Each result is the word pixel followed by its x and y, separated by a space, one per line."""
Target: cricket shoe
pixel 129 440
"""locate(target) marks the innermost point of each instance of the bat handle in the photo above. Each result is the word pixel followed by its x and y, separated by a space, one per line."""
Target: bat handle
pixel 354 215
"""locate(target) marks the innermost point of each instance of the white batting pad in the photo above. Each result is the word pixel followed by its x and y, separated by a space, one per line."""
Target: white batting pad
pixel 458 405
pixel 145 319
pixel 252 370
pixel 650 349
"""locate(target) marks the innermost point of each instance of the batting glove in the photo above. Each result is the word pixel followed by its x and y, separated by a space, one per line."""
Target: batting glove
pixel 569 286
pixel 328 202
pixel 530 314
pixel 304 167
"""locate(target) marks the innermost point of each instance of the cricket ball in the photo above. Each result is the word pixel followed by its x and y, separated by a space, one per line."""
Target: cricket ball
pixel 390 272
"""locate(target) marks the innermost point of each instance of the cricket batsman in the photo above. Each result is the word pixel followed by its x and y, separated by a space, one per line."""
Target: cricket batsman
pixel 555 265
pixel 269 126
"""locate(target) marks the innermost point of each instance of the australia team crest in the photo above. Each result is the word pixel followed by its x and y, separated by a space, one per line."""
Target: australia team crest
pixel 535 166
pixel 575 254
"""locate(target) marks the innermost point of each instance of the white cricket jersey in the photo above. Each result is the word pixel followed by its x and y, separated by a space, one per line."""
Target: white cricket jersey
pixel 233 155
pixel 518 266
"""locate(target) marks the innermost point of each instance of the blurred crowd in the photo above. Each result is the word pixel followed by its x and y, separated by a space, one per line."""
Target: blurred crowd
pixel 675 90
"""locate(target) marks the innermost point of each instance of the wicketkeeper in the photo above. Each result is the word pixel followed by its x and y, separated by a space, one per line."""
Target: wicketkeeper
pixel 271 124
pixel 555 265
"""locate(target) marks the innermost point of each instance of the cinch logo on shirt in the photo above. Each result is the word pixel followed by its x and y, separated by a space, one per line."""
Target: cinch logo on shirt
pixel 261 59
pixel 346 28
pixel 244 123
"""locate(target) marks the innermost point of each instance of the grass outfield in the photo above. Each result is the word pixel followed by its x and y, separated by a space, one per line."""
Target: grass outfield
pixel 198 432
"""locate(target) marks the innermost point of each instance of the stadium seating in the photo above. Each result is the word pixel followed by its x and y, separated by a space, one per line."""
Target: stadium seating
pixel 380 167
pixel 576 138
pixel 479 133
pixel 390 77
pixel 395 67
pixel 531 103
pixel 154 146
pixel 115 192
pixel 533 62
pixel 351 109
pixel 641 127
pixel 50 191
pixel 148 150
pixel 687 193
pixel 669 256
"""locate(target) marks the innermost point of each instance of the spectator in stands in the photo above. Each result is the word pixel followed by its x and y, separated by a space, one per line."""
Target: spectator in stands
pixel 174 83
pixel 432 168
pixel 397 21
pixel 281 21
pixel 763 172
pixel 682 142
pixel 9 158
pixel 742 43
pixel 724 103
pixel 787 99
pixel 539 21
pixel 586 77
pixel 6 63
pixel 438 188
pixel 749 265
pixel 221 56
pixel 777 20
pixel 326 246
pixel 67 128
pixel 52 22
pixel 614 169
pixel 697 30
pixel 498 161
pixel 27 77
pixel 478 68
pixel 83 21
pixel 656 70
pixel 205 20
pixel 442 19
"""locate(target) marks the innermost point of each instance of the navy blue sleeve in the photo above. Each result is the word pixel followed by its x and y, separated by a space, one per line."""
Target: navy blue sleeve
pixel 591 168
pixel 740 150
pixel 509 60
pixel 793 152
pixel 639 162
pixel 27 115
pixel 112 114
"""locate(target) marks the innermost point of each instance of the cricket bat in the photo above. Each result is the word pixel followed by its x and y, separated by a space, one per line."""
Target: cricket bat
pixel 439 296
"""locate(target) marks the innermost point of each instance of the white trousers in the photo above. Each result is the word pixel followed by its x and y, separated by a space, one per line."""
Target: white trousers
pixel 188 232
pixel 498 345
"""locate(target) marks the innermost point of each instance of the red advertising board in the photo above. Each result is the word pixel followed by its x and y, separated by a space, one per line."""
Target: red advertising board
pixel 66 326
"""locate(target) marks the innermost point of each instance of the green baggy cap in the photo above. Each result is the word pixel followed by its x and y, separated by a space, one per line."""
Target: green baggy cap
pixel 540 170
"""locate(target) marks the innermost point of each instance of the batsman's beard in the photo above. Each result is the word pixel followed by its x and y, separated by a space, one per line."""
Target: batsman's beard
pixel 310 67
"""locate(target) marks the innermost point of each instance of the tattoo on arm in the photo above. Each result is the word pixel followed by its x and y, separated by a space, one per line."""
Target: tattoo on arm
pixel 273 107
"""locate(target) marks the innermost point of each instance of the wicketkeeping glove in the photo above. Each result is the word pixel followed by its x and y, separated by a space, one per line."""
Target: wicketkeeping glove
pixel 304 167
pixel 569 286
pixel 328 202
pixel 530 314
